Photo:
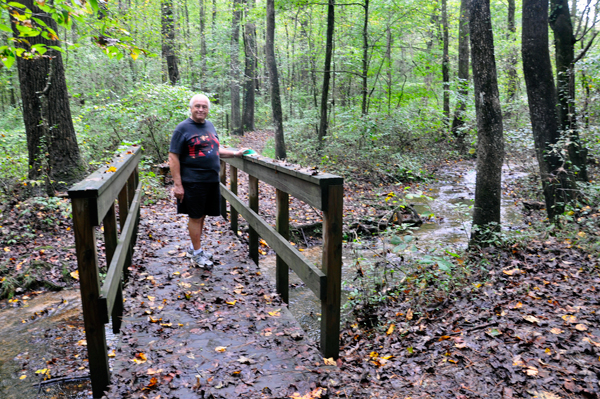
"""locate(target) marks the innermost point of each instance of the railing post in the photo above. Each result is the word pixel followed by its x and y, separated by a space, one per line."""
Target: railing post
pixel 233 182
pixel 283 228
pixel 223 178
pixel 111 238
pixel 253 203
pixel 332 266
pixel 93 316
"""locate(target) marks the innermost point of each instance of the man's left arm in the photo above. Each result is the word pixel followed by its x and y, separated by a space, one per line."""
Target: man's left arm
pixel 227 153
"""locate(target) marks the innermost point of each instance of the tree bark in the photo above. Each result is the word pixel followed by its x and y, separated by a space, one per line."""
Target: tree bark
pixel 51 142
pixel 168 40
pixel 365 58
pixel 234 71
pixel 490 147
pixel 463 72
pixel 564 42
pixel 445 65
pixel 327 70
pixel 557 184
pixel 249 71
pixel 280 152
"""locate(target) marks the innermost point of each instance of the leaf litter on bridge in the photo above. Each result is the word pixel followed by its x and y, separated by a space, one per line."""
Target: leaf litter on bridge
pixel 189 332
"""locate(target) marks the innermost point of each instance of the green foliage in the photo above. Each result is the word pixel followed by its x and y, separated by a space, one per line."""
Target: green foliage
pixel 148 114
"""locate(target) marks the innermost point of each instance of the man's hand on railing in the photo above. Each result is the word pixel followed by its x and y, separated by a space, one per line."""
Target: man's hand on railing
pixel 227 153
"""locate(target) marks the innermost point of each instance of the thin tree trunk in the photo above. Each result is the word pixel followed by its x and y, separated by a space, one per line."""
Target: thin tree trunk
pixel 557 185
pixel 203 70
pixel 234 71
pixel 249 71
pixel 511 67
pixel 280 152
pixel 390 64
pixel 365 58
pixel 490 146
pixel 463 73
pixel 445 65
pixel 168 41
pixel 51 141
pixel 327 70
pixel 564 42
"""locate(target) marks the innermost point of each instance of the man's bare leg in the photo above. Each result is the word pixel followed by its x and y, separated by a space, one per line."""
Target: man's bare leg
pixel 195 227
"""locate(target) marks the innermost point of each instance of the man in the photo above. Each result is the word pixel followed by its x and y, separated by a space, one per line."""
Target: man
pixel 194 160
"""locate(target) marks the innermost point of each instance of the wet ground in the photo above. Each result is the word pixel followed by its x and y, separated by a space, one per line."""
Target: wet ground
pixel 450 201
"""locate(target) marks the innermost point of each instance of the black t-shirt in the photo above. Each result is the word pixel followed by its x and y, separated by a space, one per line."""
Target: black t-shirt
pixel 198 147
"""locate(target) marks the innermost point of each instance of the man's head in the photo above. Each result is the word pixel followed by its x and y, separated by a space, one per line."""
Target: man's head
pixel 199 107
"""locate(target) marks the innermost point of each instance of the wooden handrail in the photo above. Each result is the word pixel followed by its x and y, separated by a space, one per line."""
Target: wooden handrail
pixel 93 203
pixel 321 190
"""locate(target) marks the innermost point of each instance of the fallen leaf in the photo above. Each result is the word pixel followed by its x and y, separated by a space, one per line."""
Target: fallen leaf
pixel 569 318
pixel 391 329
pixel 220 349
pixel 531 371
pixel 556 331
pixel 531 319
pixel 231 302
pixel 75 274
pixel 246 360
pixel 409 314
pixel 329 361
pixel 544 395
pixel 275 313
pixel 580 327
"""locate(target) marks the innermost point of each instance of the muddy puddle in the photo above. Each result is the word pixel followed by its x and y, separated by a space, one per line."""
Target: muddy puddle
pixel 35 330
pixel 451 196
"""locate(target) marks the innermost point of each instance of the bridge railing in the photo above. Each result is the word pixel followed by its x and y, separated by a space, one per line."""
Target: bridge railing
pixel 93 204
pixel 320 190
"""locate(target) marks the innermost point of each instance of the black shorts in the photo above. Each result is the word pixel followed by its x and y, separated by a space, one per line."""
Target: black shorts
pixel 200 199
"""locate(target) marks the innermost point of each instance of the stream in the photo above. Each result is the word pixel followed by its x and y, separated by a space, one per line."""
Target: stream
pixel 451 196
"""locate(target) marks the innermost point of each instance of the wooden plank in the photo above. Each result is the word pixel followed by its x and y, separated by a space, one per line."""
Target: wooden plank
pixel 233 184
pixel 312 276
pixel 282 223
pixel 89 284
pixel 113 276
pixel 253 203
pixel 332 264
pixel 223 179
pixel 102 186
pixel 282 167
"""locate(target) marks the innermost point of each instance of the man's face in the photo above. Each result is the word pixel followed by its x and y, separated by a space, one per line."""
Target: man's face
pixel 199 110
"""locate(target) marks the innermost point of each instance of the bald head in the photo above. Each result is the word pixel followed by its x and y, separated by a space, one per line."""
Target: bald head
pixel 199 97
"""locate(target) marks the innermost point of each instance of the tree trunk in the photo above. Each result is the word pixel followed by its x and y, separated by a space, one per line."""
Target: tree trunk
pixel 274 80
pixel 445 65
pixel 203 70
pixel 327 70
pixel 168 40
pixel 490 147
pixel 511 67
pixel 463 72
pixel 234 71
pixel 390 67
pixel 365 58
pixel 557 184
pixel 564 42
pixel 51 142
pixel 249 72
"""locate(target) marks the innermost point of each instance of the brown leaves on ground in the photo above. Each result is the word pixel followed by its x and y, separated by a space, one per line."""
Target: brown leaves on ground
pixel 535 331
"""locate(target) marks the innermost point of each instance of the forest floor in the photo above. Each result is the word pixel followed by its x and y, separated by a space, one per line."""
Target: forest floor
pixel 523 323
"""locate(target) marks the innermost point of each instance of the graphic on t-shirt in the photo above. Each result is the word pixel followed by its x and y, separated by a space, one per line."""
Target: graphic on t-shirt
pixel 201 146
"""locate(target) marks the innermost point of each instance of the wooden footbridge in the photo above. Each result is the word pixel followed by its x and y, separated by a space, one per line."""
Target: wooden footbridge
pixel 95 200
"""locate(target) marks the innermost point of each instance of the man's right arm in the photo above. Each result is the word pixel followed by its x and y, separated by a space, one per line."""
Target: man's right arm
pixel 176 174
